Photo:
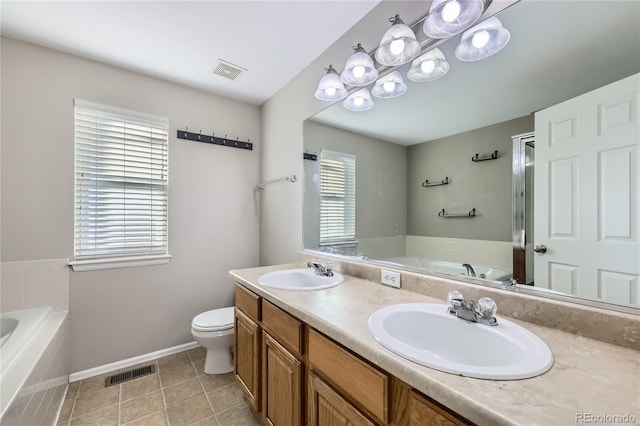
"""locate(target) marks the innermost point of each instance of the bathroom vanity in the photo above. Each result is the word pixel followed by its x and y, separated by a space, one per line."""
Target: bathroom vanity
pixel 306 357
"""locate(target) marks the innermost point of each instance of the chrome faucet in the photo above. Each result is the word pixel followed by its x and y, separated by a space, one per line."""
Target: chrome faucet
pixel 324 270
pixel 483 311
pixel 469 269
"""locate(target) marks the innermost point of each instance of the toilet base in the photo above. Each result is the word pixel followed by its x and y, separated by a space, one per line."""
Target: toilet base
pixel 218 361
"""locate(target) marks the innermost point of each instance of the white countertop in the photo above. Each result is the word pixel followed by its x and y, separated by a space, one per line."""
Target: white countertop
pixel 588 378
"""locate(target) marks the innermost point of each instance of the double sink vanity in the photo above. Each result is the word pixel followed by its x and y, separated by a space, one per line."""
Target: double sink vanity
pixel 352 351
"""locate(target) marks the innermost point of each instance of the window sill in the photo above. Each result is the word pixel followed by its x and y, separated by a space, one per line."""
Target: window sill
pixel 118 262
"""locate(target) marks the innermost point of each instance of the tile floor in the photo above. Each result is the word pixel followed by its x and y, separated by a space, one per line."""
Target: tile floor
pixel 178 393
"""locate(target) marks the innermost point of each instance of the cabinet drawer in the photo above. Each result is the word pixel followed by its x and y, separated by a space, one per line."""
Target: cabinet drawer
pixel 248 302
pixel 362 383
pixel 286 329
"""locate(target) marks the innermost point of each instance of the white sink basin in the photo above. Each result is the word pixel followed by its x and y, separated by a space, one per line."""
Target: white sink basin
pixel 299 279
pixel 425 333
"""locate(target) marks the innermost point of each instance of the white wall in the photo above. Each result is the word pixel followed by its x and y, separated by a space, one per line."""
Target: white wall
pixel 213 216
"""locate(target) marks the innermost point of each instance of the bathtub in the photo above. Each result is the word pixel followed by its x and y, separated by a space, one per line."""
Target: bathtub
pixel 453 268
pixel 33 365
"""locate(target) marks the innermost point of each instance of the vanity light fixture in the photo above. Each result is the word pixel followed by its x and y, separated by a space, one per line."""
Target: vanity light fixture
pixel 398 45
pixel 330 87
pixel 359 69
pixel 483 40
pixel 450 17
pixel 390 86
pixel 428 67
pixel 359 101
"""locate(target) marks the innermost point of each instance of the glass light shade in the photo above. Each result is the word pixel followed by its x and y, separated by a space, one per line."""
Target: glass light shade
pixel 389 86
pixel 450 17
pixel 483 40
pixel 359 69
pixel 330 87
pixel 398 45
pixel 359 101
pixel 428 67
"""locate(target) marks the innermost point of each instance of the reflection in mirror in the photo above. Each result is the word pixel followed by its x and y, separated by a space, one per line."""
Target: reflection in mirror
pixel 404 146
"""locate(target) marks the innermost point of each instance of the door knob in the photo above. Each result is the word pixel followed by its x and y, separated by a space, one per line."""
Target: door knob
pixel 540 248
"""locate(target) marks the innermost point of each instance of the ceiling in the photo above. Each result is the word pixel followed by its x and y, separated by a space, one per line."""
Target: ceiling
pixel 181 41
pixel 558 50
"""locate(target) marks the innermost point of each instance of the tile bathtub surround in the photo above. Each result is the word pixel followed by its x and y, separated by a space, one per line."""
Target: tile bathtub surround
pixel 617 328
pixel 34 283
pixel 178 393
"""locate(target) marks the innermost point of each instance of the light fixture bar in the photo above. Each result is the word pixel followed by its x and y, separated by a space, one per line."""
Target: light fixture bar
pixel 491 8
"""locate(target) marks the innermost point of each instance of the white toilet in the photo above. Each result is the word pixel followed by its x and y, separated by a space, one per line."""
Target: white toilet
pixel 214 331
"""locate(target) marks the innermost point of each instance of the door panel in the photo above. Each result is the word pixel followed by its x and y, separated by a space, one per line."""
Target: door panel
pixel 586 199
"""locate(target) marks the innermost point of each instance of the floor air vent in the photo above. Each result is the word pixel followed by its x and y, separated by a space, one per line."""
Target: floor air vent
pixel 130 375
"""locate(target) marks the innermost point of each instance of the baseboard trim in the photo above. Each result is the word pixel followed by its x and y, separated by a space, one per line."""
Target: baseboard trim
pixel 101 369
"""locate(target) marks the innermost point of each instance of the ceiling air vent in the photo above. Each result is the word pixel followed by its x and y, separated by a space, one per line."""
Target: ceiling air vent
pixel 228 70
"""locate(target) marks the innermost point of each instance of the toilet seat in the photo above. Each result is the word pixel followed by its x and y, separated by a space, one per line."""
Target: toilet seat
pixel 214 320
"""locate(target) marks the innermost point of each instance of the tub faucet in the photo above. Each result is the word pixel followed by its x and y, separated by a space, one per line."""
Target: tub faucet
pixel 324 270
pixel 483 311
pixel 469 269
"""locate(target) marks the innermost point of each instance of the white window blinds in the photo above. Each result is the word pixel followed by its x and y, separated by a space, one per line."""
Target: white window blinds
pixel 337 198
pixel 121 183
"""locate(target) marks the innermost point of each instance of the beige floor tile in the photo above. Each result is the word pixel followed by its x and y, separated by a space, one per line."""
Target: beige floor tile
pixel 197 353
pixel 173 360
pixel 88 402
pixel 95 383
pixel 63 422
pixel 225 397
pixel 138 387
pixel 65 411
pixel 171 375
pixel 209 421
pixel 189 412
pixel 72 390
pixel 214 381
pixel 238 415
pixel 159 418
pixel 142 406
pixel 198 365
pixel 107 416
pixel 182 391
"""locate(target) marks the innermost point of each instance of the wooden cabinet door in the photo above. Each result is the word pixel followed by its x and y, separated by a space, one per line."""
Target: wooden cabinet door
pixel 423 412
pixel 247 358
pixel 328 408
pixel 282 377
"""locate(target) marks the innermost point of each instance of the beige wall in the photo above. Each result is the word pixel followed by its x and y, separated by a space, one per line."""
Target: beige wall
pixel 485 186
pixel 213 215
pixel 381 182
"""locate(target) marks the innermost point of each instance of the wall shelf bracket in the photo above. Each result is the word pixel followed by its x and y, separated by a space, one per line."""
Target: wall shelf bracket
pixel 493 156
pixel 443 213
pixel 427 184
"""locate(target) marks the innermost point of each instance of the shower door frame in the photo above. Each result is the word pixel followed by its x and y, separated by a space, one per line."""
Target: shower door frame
pixel 519 207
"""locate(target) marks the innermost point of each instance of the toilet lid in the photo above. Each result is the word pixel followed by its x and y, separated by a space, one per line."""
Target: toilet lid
pixel 214 320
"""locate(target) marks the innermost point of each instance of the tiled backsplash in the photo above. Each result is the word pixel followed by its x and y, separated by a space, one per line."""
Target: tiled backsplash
pixel 34 283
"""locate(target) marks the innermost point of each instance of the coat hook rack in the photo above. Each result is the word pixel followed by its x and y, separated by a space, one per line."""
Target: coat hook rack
pixel 476 158
pixel 427 184
pixel 443 213
pixel 199 137
pixel 290 178
pixel 308 156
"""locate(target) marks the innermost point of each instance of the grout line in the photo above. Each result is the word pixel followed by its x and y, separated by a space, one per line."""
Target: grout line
pixel 119 402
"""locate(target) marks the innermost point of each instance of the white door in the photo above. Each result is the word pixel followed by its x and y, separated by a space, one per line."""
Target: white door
pixel 586 194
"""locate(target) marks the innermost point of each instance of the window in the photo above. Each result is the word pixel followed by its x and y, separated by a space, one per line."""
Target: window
pixel 121 188
pixel 337 198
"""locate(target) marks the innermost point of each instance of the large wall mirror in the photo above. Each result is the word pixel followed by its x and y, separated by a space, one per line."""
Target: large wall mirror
pixel 418 201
